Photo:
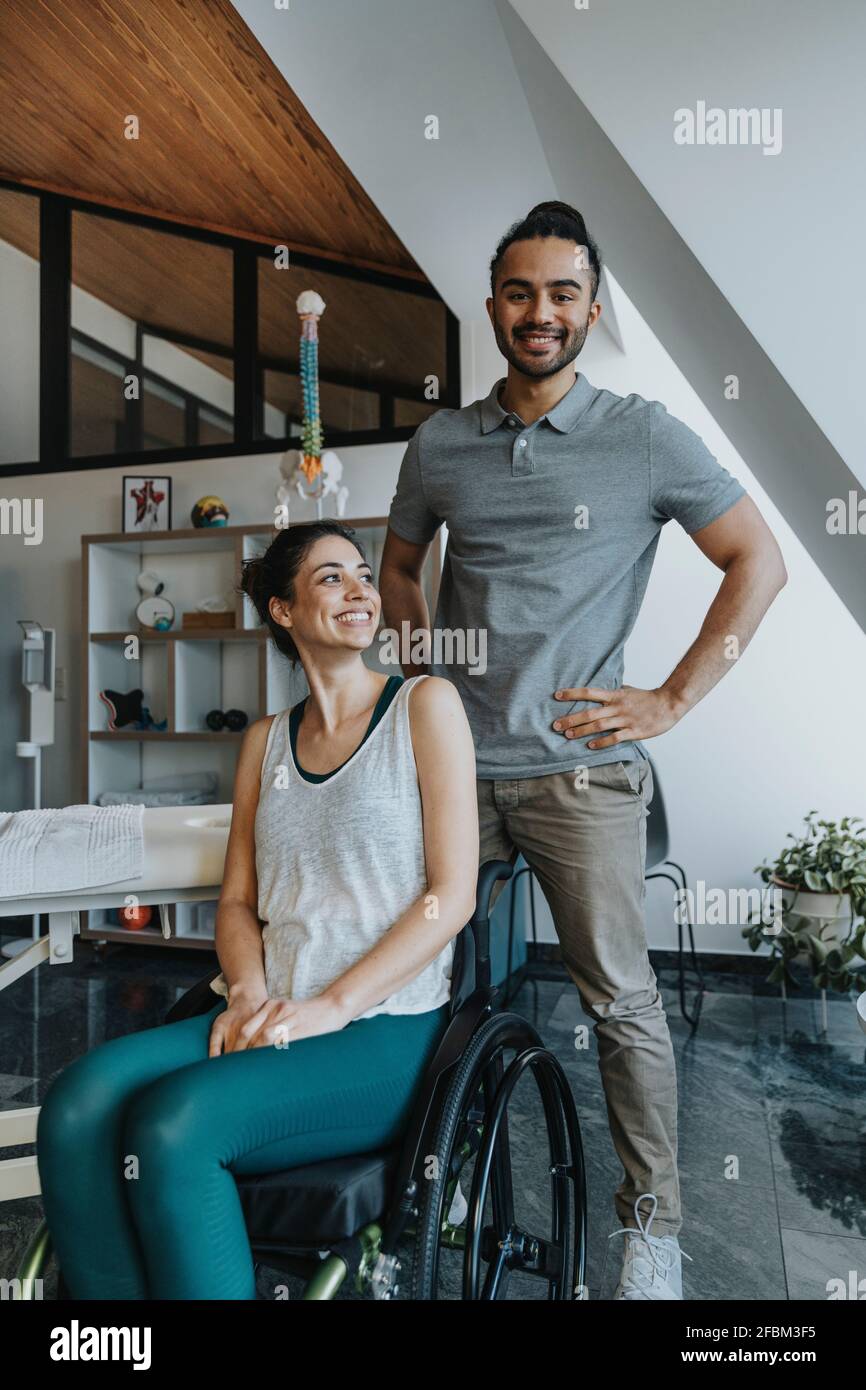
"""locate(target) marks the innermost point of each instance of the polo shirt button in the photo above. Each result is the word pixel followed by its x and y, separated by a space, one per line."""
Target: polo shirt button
pixel 522 443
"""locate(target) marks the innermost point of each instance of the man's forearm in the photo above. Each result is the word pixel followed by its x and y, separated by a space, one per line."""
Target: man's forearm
pixel 746 592
pixel 403 601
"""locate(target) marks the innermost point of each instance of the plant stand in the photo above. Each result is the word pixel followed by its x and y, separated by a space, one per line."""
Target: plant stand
pixel 818 921
pixel 823 1004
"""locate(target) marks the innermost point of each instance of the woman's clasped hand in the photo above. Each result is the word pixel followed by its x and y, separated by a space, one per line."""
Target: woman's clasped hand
pixel 259 1021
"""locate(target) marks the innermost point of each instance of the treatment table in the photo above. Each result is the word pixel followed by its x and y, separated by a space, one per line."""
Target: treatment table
pixel 184 854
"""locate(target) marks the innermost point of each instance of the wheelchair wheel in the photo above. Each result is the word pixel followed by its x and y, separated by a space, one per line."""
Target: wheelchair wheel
pixel 478 1259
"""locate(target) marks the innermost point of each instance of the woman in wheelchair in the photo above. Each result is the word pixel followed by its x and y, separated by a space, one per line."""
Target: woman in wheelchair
pixel 351 865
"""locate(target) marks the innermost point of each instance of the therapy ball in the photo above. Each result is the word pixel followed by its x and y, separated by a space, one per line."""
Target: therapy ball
pixel 210 511
pixel 134 918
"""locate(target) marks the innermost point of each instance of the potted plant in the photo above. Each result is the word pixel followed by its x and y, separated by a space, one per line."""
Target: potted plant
pixel 822 881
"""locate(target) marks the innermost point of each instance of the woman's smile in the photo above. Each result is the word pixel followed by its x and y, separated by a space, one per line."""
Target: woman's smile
pixel 358 617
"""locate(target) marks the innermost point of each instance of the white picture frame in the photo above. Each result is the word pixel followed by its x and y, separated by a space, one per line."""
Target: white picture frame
pixel 146 502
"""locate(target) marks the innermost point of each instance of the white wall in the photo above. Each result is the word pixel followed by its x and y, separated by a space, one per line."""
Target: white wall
pixel 779 234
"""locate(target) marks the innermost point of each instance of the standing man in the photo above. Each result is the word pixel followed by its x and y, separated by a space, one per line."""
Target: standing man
pixel 554 493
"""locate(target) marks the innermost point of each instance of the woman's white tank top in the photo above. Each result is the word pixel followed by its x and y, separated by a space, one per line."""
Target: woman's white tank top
pixel 339 861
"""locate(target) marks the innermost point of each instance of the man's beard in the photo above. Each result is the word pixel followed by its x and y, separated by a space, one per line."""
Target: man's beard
pixel 569 349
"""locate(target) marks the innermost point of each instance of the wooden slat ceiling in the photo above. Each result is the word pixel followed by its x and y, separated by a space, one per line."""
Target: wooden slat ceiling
pixel 224 141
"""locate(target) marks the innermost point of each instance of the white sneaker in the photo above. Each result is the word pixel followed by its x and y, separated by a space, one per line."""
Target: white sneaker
pixel 459 1207
pixel 651 1266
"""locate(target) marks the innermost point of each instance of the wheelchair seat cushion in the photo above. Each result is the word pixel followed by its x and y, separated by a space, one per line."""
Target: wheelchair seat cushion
pixel 319 1203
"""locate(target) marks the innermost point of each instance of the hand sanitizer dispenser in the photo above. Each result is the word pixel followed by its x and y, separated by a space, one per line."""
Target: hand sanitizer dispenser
pixel 37 677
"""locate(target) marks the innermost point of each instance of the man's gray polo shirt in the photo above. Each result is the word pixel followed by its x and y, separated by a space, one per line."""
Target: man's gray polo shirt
pixel 552 532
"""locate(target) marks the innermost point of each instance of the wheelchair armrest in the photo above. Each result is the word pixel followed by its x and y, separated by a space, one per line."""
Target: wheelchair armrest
pixel 198 1000
pixel 476 972
pixel 488 875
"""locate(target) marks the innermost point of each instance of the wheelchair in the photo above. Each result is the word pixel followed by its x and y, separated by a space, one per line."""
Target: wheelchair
pixel 347 1217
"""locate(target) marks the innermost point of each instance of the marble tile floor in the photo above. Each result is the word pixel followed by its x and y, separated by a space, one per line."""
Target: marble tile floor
pixel 772 1118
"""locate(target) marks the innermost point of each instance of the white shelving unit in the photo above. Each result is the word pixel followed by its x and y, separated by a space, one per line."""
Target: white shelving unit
pixel 183 674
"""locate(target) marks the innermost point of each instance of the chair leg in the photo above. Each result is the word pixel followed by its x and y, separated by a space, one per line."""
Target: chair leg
pixel 700 996
pixel 695 966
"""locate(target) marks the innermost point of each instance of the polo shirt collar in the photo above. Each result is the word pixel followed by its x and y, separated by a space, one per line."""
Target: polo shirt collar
pixel 563 417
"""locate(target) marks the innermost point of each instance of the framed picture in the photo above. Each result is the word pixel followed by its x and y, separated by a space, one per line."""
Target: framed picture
pixel 146 503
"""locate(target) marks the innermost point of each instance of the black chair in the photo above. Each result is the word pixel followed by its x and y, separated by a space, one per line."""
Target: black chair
pixel 323 1220
pixel 657 862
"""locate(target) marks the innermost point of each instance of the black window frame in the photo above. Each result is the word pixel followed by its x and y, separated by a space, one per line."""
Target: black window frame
pixel 133 423
pixel 55 344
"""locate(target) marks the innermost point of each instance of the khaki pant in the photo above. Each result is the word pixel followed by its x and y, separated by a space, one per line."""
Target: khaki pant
pixel 587 848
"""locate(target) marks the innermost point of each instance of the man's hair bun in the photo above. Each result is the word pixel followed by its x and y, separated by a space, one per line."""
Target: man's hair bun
pixel 552 218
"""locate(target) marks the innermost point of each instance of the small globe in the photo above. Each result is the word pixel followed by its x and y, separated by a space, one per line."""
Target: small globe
pixel 210 511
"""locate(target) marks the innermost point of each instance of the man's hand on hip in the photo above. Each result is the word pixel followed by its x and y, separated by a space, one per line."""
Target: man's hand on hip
pixel 625 715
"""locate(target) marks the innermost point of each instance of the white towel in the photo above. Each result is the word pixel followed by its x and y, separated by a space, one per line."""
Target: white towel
pixel 70 847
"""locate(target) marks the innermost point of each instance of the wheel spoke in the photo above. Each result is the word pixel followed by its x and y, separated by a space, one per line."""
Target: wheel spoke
pixel 496 1277
pixel 501 1181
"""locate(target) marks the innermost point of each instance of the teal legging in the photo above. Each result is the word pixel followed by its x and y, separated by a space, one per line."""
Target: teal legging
pixel 138 1141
